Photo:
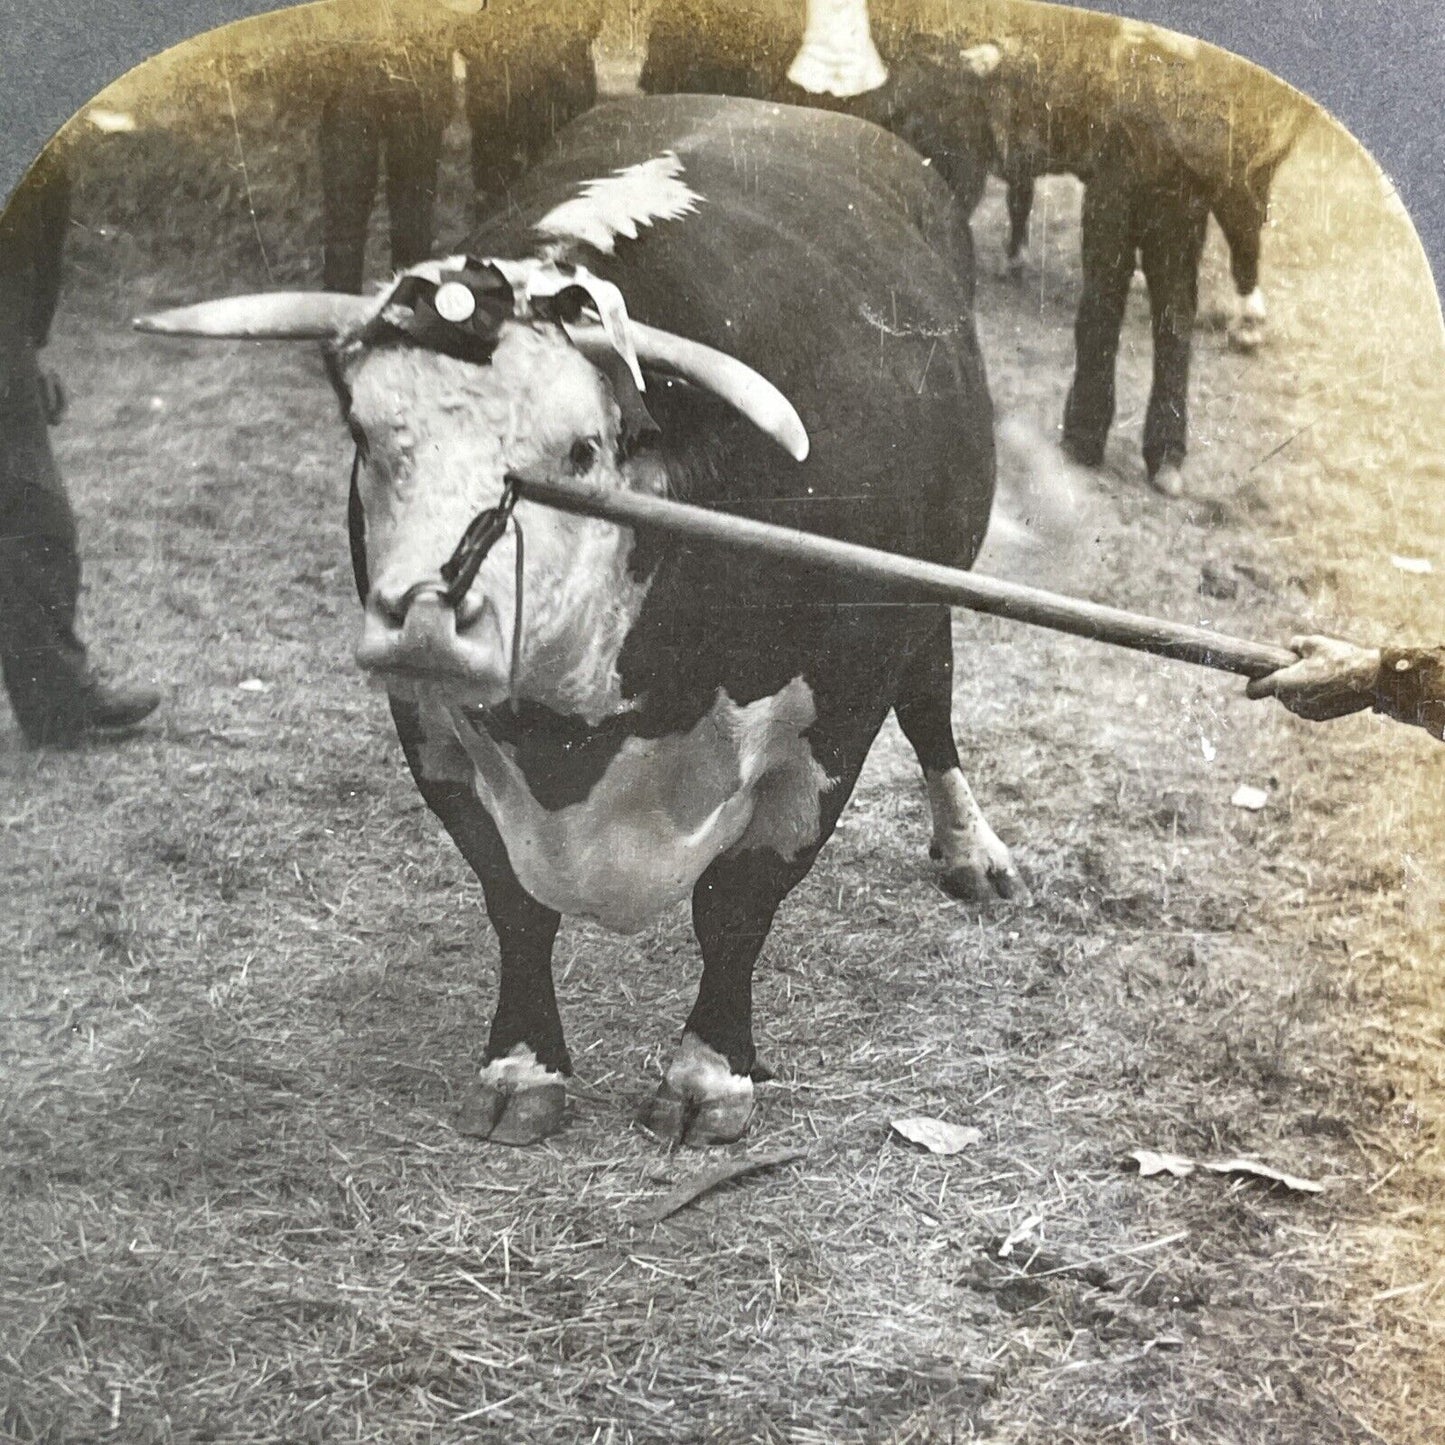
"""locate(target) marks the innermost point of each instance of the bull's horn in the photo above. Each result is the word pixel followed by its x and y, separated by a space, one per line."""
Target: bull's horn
pixel 267 316
pixel 747 392
pixel 838 56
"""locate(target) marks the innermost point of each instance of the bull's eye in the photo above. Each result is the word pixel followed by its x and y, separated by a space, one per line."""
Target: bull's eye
pixel 583 456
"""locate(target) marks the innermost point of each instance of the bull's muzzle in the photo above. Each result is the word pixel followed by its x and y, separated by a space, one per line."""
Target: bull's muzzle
pixel 415 638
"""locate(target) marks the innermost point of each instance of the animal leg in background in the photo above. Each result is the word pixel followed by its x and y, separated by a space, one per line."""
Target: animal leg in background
pixel 520 1096
pixel 1108 246
pixel 976 865
pixel 1020 204
pixel 1171 244
pixel 1241 211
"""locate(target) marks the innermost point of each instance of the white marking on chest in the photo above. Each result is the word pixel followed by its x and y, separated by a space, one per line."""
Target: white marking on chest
pixel 660 813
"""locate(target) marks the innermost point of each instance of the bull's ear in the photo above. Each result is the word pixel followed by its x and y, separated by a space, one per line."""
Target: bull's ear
pixel 267 316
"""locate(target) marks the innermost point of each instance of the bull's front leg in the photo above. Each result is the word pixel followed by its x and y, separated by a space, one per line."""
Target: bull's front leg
pixel 706 1096
pixel 520 1094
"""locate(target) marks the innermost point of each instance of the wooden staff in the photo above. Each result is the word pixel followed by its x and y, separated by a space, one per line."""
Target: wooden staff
pixel 919 581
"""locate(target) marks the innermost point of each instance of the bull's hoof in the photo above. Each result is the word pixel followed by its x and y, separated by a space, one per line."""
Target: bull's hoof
pixel 983 881
pixel 516 1101
pixel 1245 334
pixel 1168 480
pixel 701 1101
pixel 679 1119
pixel 522 1116
pixel 1247 329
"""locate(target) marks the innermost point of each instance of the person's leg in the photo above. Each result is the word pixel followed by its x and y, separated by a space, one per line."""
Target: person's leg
pixel 416 116
pixel 43 661
pixel 350 146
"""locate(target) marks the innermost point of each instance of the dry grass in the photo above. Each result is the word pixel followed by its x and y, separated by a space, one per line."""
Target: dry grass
pixel 245 973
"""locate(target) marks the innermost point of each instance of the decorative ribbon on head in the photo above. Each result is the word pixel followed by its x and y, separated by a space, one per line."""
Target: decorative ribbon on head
pixel 457 307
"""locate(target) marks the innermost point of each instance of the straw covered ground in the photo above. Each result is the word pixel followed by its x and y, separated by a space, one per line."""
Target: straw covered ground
pixel 245 975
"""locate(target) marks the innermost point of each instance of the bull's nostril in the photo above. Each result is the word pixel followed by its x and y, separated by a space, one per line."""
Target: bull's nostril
pixel 393 606
pixel 390 610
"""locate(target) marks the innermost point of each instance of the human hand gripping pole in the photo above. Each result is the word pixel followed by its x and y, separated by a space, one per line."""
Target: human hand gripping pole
pixel 1302 675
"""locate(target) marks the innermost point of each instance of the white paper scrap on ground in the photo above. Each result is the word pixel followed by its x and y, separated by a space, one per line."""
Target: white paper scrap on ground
pixel 935 1135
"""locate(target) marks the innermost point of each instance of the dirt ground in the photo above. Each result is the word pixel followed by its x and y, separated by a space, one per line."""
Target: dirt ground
pixel 245 975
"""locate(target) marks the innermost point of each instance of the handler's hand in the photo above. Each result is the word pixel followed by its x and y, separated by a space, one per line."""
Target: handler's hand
pixel 1330 680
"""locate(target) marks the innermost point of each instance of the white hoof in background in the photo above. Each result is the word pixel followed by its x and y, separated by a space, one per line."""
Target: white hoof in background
pixel 1169 480
pixel 1249 326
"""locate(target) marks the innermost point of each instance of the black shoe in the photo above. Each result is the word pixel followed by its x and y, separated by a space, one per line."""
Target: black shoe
pixel 110 709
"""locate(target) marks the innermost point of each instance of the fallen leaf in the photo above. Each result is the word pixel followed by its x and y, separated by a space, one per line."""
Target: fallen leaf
pixel 1256 1170
pixel 1420 566
pixel 1249 797
pixel 936 1136
pixel 253 684
pixel 694 1188
pixel 1151 1162
pixel 1018 1234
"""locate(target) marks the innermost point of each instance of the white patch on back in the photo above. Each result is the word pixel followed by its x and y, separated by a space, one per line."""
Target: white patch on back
pixel 618 204
pixel 661 812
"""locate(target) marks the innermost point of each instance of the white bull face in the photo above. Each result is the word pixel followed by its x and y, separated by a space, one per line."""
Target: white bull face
pixel 437 438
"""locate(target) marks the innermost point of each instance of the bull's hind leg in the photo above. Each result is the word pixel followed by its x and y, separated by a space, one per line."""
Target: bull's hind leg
pixel 520 1095
pixel 976 865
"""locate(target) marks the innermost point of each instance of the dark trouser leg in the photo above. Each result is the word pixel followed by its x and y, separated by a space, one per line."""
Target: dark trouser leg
pixel 413 156
pixel 976 866
pixel 43 661
pixel 520 1096
pixel 350 145
pixel 1020 205
pixel 516 103
pixel 1172 244
pixel 1108 247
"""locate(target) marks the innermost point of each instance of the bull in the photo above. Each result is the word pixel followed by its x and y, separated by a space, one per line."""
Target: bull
pixel 1161 130
pixel 739 304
